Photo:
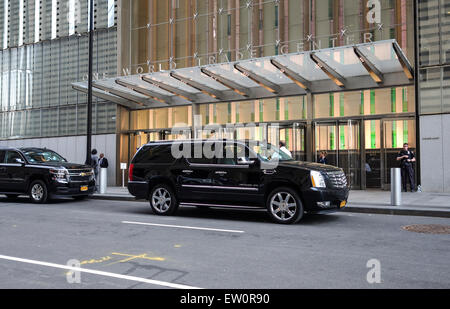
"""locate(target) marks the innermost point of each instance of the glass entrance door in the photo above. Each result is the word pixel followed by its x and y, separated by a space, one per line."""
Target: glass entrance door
pixel 339 141
pixel 293 135
pixel 395 134
pixel 383 141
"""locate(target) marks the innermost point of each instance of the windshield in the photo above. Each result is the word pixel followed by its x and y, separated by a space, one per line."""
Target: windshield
pixel 268 152
pixel 41 155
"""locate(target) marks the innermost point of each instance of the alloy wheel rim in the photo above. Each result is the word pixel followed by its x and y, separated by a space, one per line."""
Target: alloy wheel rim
pixel 161 200
pixel 283 206
pixel 37 192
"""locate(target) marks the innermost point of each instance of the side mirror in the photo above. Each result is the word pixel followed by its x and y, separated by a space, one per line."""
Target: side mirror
pixel 19 161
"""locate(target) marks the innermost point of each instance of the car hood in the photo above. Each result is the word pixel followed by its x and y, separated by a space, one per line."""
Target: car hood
pixel 67 165
pixel 310 166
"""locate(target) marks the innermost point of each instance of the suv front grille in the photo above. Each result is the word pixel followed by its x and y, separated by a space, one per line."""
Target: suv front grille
pixel 337 179
pixel 80 175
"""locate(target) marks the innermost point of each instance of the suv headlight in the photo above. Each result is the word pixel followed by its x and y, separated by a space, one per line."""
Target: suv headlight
pixel 317 179
pixel 60 175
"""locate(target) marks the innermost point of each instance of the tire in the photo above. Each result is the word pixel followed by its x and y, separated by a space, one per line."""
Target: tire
pixel 163 200
pixel 38 192
pixel 284 206
pixel 12 196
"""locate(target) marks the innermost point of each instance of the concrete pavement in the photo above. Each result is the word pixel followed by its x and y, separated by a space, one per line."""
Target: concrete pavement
pixel 361 201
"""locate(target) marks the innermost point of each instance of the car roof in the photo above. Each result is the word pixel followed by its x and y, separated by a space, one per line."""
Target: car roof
pixel 8 148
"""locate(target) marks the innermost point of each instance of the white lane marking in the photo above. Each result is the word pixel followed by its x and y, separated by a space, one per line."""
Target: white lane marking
pixel 98 272
pixel 184 227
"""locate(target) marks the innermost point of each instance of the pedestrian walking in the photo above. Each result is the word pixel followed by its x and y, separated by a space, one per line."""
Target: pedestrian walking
pixel 407 158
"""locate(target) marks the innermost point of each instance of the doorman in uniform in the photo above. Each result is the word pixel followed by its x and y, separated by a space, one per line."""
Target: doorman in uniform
pixel 407 158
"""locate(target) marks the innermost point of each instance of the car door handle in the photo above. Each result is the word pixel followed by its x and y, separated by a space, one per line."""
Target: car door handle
pixel 188 171
pixel 221 172
pixel 269 172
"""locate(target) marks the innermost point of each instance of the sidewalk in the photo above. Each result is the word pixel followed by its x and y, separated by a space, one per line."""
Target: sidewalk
pixel 361 201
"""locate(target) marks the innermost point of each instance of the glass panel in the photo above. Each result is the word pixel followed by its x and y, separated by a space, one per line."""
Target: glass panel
pixel 304 66
pixel 198 76
pixel 326 143
pixel 382 55
pixel 229 72
pixel 373 165
pixel 344 61
pixel 266 70
pixel 429 32
pixel 349 152
pixel 396 133
pixel 445 30
pixel 430 91
pixel 446 90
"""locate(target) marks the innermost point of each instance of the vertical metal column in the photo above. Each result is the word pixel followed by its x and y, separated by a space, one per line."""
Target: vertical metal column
pixel 89 105
pixel 396 187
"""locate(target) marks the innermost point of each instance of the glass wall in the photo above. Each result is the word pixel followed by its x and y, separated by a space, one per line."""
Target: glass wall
pixel 365 102
pixel 36 92
pixel 168 34
pixel 434 46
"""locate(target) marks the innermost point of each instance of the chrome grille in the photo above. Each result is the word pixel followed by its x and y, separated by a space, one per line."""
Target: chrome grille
pixel 337 179
pixel 80 175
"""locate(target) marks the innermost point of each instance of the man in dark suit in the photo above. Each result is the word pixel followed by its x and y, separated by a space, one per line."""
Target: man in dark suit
pixel 103 162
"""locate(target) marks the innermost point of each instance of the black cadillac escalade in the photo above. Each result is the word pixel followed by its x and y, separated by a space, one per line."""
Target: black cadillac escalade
pixel 233 173
pixel 42 173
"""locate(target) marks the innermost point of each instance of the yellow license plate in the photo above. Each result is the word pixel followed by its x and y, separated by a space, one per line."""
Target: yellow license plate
pixel 343 203
pixel 85 188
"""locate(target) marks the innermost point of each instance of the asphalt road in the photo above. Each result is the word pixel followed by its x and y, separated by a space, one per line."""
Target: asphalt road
pixel 211 248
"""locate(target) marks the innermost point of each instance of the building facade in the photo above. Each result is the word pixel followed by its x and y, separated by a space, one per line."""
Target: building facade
pixel 362 130
pixel 44 50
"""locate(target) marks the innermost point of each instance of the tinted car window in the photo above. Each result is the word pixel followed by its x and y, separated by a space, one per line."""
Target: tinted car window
pixel 154 154
pixel 11 157
pixel 231 153
pixel 198 156
pixel 2 156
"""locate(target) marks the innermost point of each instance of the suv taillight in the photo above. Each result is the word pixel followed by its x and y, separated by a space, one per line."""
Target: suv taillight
pixel 130 172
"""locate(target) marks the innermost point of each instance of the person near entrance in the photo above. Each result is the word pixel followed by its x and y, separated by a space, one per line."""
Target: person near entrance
pixel 407 158
pixel 323 157
pixel 103 162
pixel 284 149
pixel 95 166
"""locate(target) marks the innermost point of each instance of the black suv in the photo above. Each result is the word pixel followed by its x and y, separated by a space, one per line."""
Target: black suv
pixel 232 173
pixel 41 173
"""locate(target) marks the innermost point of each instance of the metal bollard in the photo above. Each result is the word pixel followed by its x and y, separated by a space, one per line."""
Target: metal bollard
pixel 103 180
pixel 396 187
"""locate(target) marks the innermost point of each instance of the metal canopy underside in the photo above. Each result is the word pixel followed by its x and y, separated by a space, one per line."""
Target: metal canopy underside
pixel 354 67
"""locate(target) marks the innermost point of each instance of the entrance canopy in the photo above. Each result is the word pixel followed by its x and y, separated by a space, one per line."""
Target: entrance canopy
pixel 353 67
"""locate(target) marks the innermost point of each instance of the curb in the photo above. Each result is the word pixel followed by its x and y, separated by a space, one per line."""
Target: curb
pixel 115 198
pixel 399 212
pixel 355 209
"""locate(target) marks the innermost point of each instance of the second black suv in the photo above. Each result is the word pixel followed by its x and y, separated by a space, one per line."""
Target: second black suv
pixel 41 173
pixel 232 173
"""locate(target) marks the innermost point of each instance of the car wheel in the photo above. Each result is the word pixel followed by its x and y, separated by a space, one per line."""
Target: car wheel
pixel 163 200
pixel 12 196
pixel 284 206
pixel 38 192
